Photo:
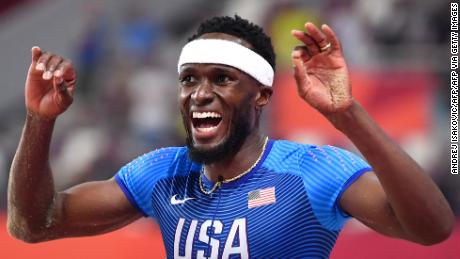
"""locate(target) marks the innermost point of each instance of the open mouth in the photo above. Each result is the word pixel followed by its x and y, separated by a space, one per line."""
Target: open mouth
pixel 206 121
pixel 207 127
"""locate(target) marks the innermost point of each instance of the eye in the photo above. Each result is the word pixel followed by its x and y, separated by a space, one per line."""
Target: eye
pixel 187 80
pixel 223 79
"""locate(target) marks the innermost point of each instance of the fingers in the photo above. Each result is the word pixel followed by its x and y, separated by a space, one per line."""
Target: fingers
pixel 301 52
pixel 309 42
pixel 63 96
pixel 317 35
pixel 53 62
pixel 52 66
pixel 64 69
pixel 317 40
pixel 331 37
pixel 64 82
pixel 300 73
pixel 65 73
pixel 42 61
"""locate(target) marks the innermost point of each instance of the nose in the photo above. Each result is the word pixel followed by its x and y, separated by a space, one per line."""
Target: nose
pixel 203 93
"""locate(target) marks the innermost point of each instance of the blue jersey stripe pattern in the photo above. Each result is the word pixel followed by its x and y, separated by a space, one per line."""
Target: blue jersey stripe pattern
pixel 141 175
pixel 303 222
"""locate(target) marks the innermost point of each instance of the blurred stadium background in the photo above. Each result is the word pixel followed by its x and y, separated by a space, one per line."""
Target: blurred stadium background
pixel 126 52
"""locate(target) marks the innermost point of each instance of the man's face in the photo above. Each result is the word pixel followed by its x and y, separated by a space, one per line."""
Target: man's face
pixel 217 104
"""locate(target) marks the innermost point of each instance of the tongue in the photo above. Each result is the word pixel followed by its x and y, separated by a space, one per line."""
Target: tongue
pixel 207 122
pixel 206 125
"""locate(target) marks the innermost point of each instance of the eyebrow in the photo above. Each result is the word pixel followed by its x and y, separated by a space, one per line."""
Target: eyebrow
pixel 187 69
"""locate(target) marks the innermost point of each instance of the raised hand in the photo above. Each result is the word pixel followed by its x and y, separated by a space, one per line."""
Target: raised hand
pixel 320 70
pixel 50 84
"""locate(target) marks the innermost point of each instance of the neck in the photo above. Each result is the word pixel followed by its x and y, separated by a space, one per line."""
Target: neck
pixel 233 166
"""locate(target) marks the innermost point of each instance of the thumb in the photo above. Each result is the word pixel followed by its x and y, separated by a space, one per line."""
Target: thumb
pixel 300 72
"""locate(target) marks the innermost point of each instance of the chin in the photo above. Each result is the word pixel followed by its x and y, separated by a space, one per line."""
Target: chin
pixel 208 145
pixel 219 150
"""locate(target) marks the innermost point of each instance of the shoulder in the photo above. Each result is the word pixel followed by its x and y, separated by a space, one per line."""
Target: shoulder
pixel 157 163
pixel 283 149
pixel 291 147
pixel 311 151
pixel 138 178
pixel 334 158
pixel 285 156
pixel 326 172
pixel 296 152
pixel 309 157
pixel 161 155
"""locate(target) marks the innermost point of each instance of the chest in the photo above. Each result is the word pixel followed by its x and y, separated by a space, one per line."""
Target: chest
pixel 251 220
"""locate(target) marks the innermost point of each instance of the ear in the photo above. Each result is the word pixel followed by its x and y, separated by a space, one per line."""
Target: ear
pixel 263 96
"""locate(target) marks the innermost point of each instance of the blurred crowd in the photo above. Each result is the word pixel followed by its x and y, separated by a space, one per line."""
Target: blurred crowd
pixel 125 104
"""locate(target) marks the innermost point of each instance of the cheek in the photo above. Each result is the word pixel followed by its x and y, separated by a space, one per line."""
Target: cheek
pixel 234 95
pixel 246 108
pixel 183 98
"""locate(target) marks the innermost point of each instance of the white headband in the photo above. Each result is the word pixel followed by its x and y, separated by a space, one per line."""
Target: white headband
pixel 215 51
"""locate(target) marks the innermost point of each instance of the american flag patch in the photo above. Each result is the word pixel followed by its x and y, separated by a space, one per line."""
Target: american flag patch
pixel 261 197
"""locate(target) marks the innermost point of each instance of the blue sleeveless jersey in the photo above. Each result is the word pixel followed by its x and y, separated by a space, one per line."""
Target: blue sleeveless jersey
pixel 287 206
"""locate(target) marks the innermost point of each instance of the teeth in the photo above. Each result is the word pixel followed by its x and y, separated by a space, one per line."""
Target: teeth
pixel 208 129
pixel 202 115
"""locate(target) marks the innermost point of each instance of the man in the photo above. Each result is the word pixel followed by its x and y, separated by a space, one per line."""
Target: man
pixel 232 192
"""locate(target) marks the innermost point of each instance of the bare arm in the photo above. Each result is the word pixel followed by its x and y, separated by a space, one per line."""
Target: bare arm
pixel 405 200
pixel 36 212
pixel 398 199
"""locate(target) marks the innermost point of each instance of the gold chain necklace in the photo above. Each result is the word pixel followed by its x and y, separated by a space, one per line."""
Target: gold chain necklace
pixel 219 183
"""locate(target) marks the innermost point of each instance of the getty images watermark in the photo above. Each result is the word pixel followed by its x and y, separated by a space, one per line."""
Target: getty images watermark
pixel 454 127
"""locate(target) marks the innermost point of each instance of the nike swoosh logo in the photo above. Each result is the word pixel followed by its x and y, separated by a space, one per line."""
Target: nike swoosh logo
pixel 175 201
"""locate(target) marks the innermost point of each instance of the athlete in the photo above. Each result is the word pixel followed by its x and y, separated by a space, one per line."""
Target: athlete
pixel 231 192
